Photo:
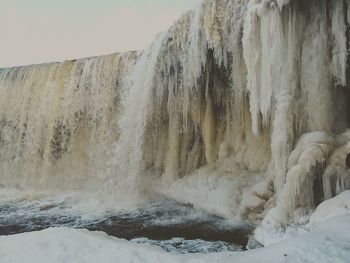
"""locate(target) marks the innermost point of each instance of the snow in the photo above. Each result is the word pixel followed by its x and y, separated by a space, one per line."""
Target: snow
pixel 214 189
pixel 328 241
pixel 337 206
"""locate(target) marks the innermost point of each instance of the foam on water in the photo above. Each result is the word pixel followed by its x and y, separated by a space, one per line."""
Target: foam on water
pixel 190 246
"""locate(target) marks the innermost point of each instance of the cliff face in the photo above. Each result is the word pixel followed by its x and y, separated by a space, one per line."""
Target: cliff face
pixel 240 107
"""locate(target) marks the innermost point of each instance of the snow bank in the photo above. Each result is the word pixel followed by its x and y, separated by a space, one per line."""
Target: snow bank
pixel 328 242
pixel 71 245
pixel 337 206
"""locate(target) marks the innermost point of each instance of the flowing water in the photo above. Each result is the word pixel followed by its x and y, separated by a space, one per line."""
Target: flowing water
pixel 167 224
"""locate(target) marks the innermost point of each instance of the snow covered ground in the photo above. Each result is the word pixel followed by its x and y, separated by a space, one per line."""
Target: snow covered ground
pixel 328 241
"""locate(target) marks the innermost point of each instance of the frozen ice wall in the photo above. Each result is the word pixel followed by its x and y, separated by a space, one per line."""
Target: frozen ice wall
pixel 253 88
pixel 241 108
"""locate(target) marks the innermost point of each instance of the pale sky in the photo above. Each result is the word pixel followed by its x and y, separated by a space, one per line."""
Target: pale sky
pixel 38 31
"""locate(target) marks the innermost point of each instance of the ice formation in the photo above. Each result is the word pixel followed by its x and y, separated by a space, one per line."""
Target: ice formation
pixel 241 108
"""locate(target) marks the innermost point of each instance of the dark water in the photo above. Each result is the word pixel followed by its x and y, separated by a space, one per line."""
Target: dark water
pixel 170 225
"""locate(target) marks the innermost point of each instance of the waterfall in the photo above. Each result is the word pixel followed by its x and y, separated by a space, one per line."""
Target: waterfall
pixel 58 121
pixel 126 161
pixel 240 108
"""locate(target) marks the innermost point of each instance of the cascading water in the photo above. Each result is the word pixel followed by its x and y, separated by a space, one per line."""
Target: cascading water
pixel 58 121
pixel 126 161
pixel 240 108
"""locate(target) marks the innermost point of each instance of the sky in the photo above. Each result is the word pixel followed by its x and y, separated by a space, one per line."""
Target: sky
pixel 39 31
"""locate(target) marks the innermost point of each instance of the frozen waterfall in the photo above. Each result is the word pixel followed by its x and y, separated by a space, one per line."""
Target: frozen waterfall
pixel 240 108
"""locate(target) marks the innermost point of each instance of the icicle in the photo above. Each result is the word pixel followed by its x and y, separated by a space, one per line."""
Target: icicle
pixel 252 57
pixel 339 52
